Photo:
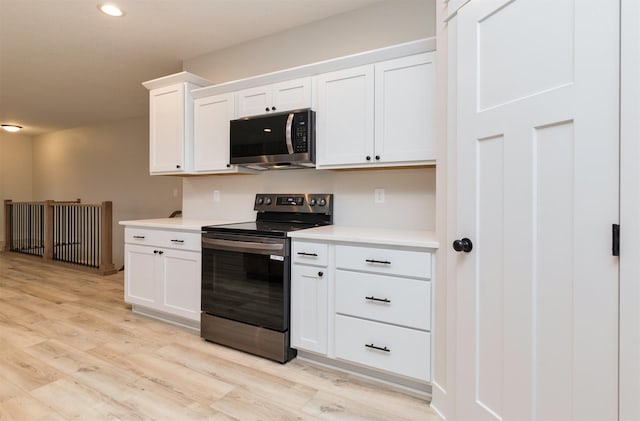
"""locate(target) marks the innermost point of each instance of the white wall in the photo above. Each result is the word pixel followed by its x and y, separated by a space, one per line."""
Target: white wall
pixel 104 162
pixel 410 194
pixel 15 171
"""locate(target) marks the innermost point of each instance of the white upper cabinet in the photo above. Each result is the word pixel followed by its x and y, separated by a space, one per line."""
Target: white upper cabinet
pixel 378 115
pixel 171 122
pixel 284 96
pixel 344 129
pixel 405 107
pixel 211 118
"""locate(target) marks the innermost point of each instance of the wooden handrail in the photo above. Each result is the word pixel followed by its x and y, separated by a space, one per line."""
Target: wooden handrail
pixel 78 243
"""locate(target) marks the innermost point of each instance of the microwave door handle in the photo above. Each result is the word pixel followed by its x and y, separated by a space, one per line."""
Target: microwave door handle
pixel 289 133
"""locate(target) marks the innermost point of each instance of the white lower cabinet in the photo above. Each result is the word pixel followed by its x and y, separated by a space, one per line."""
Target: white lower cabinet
pixel 309 295
pixel 365 305
pixel 384 346
pixel 162 273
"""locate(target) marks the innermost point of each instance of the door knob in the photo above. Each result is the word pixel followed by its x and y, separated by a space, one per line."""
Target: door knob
pixel 463 245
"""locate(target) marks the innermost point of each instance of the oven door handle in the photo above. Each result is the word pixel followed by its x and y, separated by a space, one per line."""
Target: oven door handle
pixel 242 246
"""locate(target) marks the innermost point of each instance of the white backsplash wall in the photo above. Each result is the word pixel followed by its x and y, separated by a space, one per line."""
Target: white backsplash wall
pixel 409 195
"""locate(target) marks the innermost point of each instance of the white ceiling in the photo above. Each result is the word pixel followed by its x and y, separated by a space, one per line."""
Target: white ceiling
pixel 64 64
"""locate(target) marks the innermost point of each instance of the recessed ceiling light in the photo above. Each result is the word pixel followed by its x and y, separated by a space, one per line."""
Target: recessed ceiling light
pixel 11 128
pixel 110 9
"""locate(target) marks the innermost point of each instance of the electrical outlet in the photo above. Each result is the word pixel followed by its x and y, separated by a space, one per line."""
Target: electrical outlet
pixel 216 195
pixel 378 196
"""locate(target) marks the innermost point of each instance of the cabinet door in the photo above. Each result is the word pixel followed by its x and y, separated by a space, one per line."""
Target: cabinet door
pixel 405 109
pixel 344 129
pixel 166 129
pixel 254 101
pixel 181 283
pixel 211 132
pixel 292 95
pixel 141 283
pixel 309 312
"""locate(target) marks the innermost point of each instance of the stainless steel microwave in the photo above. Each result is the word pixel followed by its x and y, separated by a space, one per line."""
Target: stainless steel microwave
pixel 274 141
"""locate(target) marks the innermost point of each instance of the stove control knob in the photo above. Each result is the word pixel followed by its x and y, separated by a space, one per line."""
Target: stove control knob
pixel 312 202
pixel 259 200
pixel 267 200
pixel 322 202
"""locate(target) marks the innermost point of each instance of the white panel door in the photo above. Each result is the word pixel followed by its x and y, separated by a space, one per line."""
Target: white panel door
pixel 405 109
pixel 182 283
pixel 344 127
pixel 141 282
pixel 211 132
pixel 537 192
pixel 629 212
pixel 309 308
pixel 166 129
pixel 254 101
pixel 292 95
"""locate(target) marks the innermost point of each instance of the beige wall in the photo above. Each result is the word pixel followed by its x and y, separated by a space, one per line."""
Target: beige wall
pixel 15 171
pixel 380 25
pixel 105 162
pixel 410 194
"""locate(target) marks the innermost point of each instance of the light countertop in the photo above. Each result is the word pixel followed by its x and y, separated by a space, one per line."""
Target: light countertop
pixel 185 224
pixel 383 236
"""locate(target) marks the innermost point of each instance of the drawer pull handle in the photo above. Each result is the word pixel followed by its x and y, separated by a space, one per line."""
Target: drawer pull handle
pixel 383 262
pixel 382 300
pixel 372 346
pixel 177 241
pixel 302 253
pixel 139 237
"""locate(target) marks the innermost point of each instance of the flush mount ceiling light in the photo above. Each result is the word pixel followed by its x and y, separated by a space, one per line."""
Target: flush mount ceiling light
pixel 11 127
pixel 111 10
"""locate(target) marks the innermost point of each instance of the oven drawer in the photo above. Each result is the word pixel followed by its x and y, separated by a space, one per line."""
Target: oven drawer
pixel 388 261
pixel 401 301
pixel 398 350
pixel 309 253
pixel 182 240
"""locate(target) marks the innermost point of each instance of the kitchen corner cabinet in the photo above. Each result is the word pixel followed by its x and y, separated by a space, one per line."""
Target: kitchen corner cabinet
pixel 381 114
pixel 309 295
pixel 162 273
pixel 278 97
pixel 171 123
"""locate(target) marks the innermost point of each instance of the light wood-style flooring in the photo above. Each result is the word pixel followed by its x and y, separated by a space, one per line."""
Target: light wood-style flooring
pixel 70 348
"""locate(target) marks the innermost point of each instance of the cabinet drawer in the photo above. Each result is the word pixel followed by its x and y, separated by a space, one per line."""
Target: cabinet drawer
pixel 388 261
pixel 309 253
pixel 403 351
pixel 400 301
pixel 182 240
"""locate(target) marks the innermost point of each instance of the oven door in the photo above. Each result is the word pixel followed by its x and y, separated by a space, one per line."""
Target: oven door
pixel 246 279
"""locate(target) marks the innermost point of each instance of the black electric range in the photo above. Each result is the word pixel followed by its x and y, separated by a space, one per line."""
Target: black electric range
pixel 246 274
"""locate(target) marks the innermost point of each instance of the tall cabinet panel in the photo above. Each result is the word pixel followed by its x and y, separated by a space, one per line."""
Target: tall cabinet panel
pixel 167 129
pixel 405 109
pixel 345 116
pixel 211 132
pixel 171 122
